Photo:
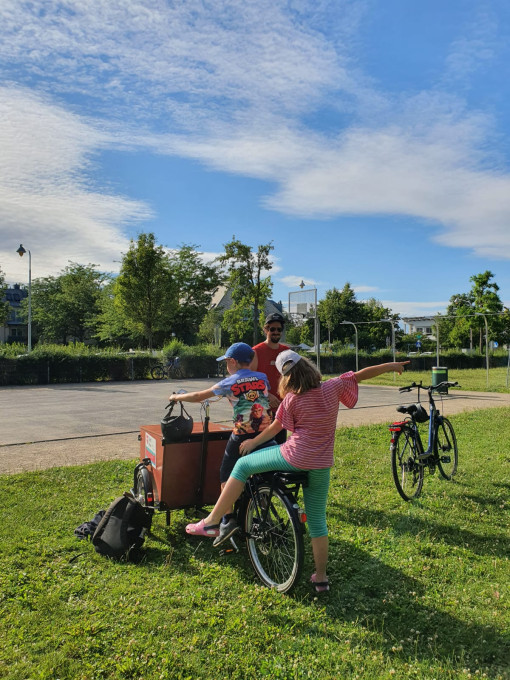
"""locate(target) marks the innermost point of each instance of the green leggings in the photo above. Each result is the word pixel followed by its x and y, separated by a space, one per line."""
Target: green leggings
pixel 315 494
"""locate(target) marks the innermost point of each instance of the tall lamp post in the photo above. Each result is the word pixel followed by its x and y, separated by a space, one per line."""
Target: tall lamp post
pixel 21 251
pixel 486 344
pixel 392 335
pixel 343 323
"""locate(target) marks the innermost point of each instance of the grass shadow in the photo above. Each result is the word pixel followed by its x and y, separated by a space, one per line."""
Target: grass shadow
pixel 493 544
pixel 390 609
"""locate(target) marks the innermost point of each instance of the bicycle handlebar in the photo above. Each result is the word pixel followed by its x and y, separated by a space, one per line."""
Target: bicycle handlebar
pixel 432 388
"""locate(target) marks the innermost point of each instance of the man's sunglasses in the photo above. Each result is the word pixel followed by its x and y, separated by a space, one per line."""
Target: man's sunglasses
pixel 274 329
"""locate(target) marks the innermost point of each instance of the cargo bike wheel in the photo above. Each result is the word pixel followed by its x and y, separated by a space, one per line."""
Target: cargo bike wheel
pixel 274 537
pixel 142 486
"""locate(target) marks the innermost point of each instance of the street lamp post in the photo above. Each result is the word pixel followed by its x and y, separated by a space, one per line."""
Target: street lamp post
pixel 390 321
pixel 343 323
pixel 21 251
pixel 486 344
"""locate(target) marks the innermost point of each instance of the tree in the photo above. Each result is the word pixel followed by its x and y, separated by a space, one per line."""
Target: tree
pixel 4 305
pixel 338 306
pixel 486 300
pixel 249 288
pixel 482 299
pixel 457 331
pixel 377 334
pixel 195 283
pixel 65 307
pixel 146 289
pixel 209 326
pixel 112 325
pixel 335 307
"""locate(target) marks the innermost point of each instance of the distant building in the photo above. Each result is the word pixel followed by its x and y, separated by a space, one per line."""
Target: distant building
pixel 423 325
pixel 16 330
pixel 222 299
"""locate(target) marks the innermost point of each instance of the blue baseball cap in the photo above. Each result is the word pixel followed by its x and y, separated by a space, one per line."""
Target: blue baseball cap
pixel 239 351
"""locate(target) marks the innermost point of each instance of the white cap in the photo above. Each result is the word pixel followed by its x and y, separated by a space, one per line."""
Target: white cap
pixel 287 357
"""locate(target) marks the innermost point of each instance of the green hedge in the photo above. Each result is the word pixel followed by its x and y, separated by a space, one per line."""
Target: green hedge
pixel 37 370
pixel 55 364
pixel 346 361
pixel 49 365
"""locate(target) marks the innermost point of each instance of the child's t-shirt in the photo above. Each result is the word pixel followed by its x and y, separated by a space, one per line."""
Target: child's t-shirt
pixel 311 417
pixel 247 391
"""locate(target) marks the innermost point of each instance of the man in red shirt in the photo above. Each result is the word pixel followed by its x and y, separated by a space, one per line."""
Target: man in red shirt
pixel 265 358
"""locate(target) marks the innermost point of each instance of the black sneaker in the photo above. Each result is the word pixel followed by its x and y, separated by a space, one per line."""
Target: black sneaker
pixel 226 531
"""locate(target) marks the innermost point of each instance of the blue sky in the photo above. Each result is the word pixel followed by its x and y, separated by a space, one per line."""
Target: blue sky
pixel 368 139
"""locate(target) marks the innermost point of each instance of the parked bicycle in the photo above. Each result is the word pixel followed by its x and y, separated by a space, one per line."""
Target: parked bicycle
pixel 271 520
pixel 409 460
pixel 172 369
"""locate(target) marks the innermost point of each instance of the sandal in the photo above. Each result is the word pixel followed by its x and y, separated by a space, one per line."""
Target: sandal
pixel 320 586
pixel 200 529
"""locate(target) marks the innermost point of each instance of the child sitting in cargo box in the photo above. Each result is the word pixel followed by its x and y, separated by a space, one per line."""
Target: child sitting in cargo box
pixel 247 391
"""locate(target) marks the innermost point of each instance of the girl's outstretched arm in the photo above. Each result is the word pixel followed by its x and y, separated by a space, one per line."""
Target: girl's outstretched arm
pixel 379 369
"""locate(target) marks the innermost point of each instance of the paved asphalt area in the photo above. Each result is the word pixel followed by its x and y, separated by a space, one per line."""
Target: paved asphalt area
pixel 70 424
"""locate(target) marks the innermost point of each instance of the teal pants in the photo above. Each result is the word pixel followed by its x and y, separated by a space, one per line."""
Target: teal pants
pixel 315 494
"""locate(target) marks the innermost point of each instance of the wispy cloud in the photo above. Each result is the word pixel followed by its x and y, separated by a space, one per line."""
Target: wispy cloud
pixel 411 309
pixel 47 196
pixel 365 289
pixel 231 84
pixel 295 282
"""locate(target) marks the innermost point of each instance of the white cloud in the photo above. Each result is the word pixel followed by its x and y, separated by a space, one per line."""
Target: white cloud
pixel 47 199
pixel 412 309
pixel 365 289
pixel 229 84
pixel 295 282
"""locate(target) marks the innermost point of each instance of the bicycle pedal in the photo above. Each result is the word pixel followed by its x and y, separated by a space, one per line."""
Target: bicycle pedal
pixel 228 551
pixel 446 459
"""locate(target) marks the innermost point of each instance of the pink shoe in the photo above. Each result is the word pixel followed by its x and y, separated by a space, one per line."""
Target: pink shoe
pixel 320 586
pixel 200 529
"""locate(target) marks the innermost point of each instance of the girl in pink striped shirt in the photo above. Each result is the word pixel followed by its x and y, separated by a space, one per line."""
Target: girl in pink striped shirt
pixel 309 410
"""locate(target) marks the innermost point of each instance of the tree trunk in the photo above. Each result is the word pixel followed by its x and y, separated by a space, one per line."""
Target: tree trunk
pixel 255 323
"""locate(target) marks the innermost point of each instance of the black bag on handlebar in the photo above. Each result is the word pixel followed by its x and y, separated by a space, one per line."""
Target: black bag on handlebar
pixel 176 428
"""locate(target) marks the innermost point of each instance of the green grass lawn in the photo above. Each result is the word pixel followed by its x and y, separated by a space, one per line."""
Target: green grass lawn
pixel 470 379
pixel 419 590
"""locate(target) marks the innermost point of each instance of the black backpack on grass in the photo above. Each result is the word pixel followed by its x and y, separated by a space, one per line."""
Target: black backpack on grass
pixel 121 532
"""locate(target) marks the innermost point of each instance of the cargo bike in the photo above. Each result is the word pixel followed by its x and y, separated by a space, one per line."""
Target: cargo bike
pixel 185 475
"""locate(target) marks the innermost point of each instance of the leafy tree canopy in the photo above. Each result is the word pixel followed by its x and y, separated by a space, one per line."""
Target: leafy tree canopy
pixel 482 298
pixel 196 282
pixel 339 306
pixel 146 290
pixel 250 288
pixel 65 307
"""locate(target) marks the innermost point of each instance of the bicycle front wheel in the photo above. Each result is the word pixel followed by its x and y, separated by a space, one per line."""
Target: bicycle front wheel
pixel 275 544
pixel 405 465
pixel 158 372
pixel 446 449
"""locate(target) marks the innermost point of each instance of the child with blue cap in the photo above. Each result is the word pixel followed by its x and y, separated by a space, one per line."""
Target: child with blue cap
pixel 248 392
